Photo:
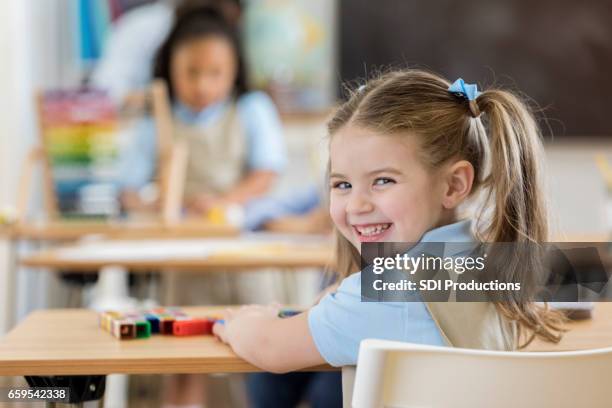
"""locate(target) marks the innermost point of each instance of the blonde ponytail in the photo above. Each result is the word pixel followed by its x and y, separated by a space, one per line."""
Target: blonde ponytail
pixel 514 194
pixel 514 185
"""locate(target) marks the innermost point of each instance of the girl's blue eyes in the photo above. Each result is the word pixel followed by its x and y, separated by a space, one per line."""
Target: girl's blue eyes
pixel 381 181
pixel 341 185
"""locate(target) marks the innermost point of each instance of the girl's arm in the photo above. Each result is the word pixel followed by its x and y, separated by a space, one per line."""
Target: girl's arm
pixel 136 166
pixel 259 336
pixel 256 183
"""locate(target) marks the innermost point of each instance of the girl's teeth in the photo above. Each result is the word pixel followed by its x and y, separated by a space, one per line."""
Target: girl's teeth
pixel 373 230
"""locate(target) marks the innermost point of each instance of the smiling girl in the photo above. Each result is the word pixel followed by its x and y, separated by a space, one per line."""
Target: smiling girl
pixel 406 151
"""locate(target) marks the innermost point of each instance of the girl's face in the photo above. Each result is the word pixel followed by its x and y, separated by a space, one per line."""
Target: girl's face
pixel 380 191
pixel 203 71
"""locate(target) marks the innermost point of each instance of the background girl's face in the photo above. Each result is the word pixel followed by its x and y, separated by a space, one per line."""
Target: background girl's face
pixel 380 191
pixel 203 71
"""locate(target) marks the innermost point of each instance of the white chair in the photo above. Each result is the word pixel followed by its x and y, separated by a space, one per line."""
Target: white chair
pixel 395 374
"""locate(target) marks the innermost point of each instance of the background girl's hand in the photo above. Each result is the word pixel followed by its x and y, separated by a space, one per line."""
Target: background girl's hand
pixel 200 204
pixel 132 202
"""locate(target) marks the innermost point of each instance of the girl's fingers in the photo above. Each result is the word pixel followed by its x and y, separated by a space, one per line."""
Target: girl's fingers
pixel 219 331
pixel 229 314
pixel 250 308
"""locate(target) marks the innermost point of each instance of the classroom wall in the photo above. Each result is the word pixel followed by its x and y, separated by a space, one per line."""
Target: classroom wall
pixel 557 51
pixel 52 65
pixel 14 128
pixel 33 47
pixel 576 191
pixel 53 46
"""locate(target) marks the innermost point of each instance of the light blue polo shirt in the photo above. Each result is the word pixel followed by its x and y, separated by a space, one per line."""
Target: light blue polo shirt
pixel 263 132
pixel 340 321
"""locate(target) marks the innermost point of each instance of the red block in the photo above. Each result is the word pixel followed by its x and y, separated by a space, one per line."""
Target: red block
pixel 193 327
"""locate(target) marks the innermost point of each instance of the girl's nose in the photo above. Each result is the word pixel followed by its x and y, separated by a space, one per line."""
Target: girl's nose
pixel 203 88
pixel 358 204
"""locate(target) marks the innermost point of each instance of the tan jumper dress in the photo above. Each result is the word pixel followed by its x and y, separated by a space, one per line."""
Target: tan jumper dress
pixel 217 156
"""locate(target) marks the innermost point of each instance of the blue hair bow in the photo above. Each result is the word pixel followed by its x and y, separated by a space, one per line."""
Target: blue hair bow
pixel 461 89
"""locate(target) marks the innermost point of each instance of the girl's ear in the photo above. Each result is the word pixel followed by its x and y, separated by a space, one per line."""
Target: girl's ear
pixel 458 179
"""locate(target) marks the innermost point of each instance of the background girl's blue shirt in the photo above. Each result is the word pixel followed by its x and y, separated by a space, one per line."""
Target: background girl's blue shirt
pixel 262 126
pixel 340 321
pixel 261 210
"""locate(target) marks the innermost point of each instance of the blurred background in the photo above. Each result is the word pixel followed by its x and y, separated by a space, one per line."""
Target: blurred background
pixel 302 53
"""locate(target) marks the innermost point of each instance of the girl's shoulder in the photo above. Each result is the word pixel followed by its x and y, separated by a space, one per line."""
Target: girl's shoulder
pixel 254 104
pixel 351 284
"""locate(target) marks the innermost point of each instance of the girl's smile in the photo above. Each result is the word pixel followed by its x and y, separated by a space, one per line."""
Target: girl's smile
pixel 373 232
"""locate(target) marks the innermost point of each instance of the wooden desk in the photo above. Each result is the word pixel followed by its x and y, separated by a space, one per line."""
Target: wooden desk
pixel 73 230
pixel 251 252
pixel 584 334
pixel 69 342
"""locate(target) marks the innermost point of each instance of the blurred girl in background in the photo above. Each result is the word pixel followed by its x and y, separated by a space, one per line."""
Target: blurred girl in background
pixel 234 136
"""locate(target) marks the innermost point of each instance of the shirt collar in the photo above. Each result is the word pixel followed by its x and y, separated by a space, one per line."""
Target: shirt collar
pixel 189 116
pixel 455 239
pixel 460 231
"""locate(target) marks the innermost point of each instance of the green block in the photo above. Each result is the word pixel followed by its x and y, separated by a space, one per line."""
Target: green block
pixel 143 329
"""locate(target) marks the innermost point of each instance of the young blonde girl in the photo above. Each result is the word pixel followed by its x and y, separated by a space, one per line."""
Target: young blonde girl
pixel 406 151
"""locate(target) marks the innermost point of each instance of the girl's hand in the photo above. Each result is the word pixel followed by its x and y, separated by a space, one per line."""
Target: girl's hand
pixel 200 204
pixel 242 320
pixel 257 335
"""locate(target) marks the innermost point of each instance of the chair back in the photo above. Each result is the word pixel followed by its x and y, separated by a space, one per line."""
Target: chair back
pixel 396 374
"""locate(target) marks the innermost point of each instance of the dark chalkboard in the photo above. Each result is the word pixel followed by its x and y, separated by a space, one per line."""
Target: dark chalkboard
pixel 558 52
